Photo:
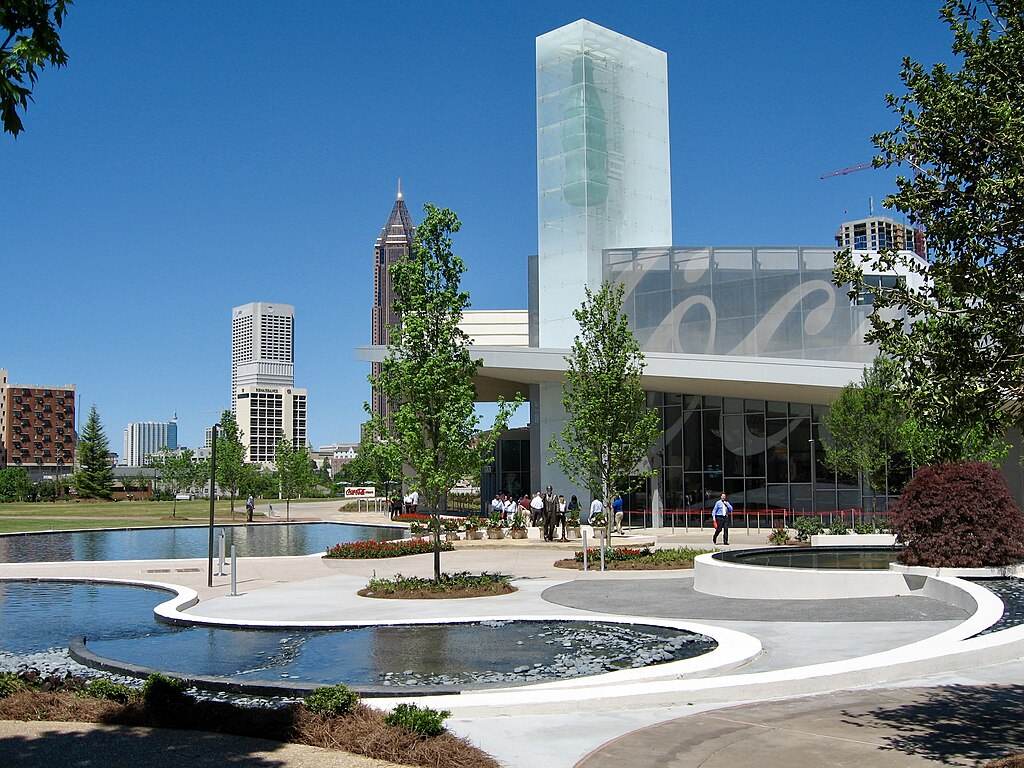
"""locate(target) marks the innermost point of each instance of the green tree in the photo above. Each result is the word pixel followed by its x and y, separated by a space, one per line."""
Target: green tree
pixel 427 376
pixel 294 471
pixel 962 133
pixel 95 475
pixel 609 429
pixel 15 484
pixel 31 41
pixel 378 461
pixel 178 472
pixel 230 456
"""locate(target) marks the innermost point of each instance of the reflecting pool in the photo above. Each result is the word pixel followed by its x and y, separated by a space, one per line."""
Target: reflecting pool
pixel 252 540
pixel 838 558
pixel 119 625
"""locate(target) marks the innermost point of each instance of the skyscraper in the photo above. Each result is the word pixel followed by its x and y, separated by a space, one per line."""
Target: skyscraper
pixel 264 399
pixel 262 352
pixel 144 438
pixel 394 244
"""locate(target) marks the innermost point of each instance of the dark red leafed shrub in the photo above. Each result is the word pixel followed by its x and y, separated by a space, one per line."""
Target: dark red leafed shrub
pixel 959 516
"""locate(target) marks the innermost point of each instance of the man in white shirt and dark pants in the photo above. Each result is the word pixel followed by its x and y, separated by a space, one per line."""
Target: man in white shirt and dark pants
pixel 596 508
pixel 720 516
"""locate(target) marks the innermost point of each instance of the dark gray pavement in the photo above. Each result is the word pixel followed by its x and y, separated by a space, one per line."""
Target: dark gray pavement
pixel 677 599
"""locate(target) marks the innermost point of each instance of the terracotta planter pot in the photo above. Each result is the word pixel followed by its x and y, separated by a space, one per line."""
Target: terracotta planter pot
pixel 572 533
pixel 495 533
pixel 518 533
pixel 451 536
pixel 474 534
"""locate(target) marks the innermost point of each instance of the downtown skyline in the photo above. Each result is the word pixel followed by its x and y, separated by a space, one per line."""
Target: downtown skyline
pixel 180 166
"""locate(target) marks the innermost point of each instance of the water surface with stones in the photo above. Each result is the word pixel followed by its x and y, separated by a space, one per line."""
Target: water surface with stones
pixel 119 625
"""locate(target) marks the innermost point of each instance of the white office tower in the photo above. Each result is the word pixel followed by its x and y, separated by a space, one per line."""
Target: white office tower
pixel 262 350
pixel 602 162
pixel 266 415
pixel 144 438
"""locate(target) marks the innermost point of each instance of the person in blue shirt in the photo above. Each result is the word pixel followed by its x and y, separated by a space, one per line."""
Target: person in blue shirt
pixel 617 514
pixel 720 514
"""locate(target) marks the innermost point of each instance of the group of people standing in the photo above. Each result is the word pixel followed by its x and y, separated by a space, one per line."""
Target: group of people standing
pixel 546 510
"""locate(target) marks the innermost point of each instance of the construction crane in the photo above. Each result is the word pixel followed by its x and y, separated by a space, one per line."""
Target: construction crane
pixel 919 238
pixel 844 171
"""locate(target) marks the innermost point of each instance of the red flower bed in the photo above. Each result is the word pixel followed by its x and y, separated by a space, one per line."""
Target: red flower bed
pixel 378 549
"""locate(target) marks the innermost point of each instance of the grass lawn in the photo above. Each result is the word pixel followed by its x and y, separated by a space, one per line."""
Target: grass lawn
pixel 18 517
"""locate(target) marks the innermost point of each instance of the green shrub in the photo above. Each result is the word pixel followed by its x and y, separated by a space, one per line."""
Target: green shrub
pixel 10 684
pixel 838 526
pixel 331 700
pixel 160 691
pixel 102 688
pixel 807 527
pixel 450 582
pixel 863 527
pixel 422 720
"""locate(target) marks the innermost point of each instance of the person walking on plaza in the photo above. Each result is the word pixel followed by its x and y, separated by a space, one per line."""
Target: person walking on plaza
pixel 720 515
pixel 250 508
pixel 596 508
pixel 617 514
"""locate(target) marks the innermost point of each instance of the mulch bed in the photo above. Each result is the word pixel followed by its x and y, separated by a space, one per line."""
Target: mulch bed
pixel 455 594
pixel 622 565
pixel 362 731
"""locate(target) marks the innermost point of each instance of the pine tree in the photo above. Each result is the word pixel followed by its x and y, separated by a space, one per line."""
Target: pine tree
pixel 95 476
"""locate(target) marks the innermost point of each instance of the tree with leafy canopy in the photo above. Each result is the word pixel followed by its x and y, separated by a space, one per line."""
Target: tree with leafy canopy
pixel 15 484
pixel 961 359
pixel 178 472
pixel 31 41
pixel 230 456
pixel 428 373
pixel 294 470
pixel 610 428
pixel 378 460
pixel 95 476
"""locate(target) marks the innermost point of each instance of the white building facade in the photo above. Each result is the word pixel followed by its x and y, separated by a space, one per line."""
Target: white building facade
pixel 144 438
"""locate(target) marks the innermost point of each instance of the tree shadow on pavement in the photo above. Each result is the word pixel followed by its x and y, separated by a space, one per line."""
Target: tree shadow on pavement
pixel 957 725
pixel 88 747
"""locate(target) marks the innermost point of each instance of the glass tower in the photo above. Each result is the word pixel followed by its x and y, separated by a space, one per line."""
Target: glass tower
pixel 602 162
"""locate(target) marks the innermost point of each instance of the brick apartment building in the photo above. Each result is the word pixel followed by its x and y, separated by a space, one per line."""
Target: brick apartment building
pixel 37 428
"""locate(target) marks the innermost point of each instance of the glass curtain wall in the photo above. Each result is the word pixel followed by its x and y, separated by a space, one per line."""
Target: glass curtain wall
pixel 765 455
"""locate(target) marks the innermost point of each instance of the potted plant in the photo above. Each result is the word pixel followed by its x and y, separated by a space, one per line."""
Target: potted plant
pixel 473 525
pixel 518 525
pixel 451 529
pixel 417 530
pixel 598 521
pixel 779 536
pixel 572 525
pixel 494 530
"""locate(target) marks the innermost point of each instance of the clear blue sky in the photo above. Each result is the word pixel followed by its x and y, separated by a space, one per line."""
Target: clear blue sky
pixel 194 156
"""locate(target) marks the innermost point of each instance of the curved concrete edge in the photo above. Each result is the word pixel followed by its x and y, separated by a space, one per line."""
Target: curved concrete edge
pixel 713 576
pixel 183 596
pixel 853 540
pixel 1003 571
